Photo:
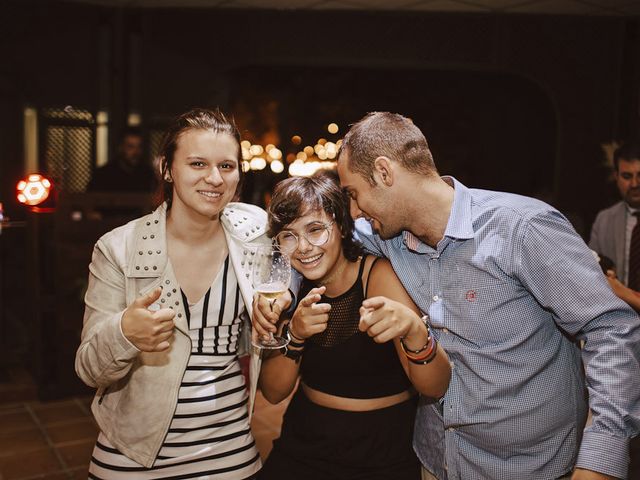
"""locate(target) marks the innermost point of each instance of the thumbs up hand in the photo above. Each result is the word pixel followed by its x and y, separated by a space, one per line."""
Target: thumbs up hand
pixel 149 331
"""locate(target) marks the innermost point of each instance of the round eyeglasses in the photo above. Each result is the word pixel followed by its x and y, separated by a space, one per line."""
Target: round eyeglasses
pixel 316 233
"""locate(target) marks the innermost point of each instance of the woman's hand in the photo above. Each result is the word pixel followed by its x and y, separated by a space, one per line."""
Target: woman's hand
pixel 384 319
pixel 266 313
pixel 149 331
pixel 310 316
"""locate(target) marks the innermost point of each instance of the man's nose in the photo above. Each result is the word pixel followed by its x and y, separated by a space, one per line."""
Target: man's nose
pixel 354 210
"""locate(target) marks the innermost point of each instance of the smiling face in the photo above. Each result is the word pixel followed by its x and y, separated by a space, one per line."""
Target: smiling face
pixel 372 202
pixel 316 263
pixel 204 172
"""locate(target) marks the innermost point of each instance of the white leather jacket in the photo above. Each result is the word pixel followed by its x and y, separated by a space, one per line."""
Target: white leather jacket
pixel 137 391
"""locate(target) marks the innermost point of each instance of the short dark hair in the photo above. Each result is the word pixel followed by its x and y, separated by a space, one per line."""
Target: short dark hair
pixel 298 196
pixel 390 135
pixel 628 151
pixel 196 119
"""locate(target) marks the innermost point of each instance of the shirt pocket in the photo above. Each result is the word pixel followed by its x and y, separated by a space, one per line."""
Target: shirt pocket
pixel 491 314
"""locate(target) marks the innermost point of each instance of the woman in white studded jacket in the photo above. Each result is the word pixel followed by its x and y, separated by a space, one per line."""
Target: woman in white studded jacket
pixel 166 319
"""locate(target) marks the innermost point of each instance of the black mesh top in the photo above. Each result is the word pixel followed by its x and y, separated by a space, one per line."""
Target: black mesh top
pixel 345 362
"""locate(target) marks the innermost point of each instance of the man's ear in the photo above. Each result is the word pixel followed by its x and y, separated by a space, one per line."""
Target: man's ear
pixel 383 169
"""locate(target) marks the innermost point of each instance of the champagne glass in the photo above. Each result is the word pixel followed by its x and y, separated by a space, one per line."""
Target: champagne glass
pixel 271 278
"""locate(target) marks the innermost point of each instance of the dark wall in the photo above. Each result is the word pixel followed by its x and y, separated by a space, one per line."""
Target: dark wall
pixel 160 62
pixel 518 103
pixel 577 62
pixel 50 57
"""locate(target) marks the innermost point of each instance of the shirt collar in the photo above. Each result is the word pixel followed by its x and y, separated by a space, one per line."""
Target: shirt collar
pixel 411 241
pixel 460 224
pixel 630 210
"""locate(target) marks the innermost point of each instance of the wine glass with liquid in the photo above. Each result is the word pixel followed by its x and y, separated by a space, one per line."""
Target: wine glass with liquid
pixel 271 278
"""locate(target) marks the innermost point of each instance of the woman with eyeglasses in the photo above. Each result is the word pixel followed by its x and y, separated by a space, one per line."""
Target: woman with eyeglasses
pixel 358 365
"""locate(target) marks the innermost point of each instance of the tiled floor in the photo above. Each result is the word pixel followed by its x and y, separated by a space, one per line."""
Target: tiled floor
pixel 54 440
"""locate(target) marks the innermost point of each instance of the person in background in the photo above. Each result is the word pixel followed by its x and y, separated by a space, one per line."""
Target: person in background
pixel 358 346
pixel 167 316
pixel 625 293
pixel 510 289
pixel 612 233
pixel 612 237
pixel 129 171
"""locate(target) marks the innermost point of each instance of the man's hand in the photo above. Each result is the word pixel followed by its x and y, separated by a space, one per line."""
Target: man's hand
pixel 384 319
pixel 148 331
pixel 310 317
pixel 582 474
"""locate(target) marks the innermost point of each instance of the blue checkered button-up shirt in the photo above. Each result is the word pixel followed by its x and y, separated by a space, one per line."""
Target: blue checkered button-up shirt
pixel 508 290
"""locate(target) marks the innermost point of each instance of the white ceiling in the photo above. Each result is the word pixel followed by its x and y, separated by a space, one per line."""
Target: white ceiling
pixel 552 7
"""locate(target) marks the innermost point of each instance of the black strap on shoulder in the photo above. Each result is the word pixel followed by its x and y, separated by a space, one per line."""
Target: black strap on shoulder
pixel 366 287
pixel 361 269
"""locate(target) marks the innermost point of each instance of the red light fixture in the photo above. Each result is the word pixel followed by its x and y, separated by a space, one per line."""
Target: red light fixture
pixel 33 190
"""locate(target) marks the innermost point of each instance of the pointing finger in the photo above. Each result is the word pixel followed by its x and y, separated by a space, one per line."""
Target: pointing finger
pixel 374 302
pixel 318 290
pixel 310 299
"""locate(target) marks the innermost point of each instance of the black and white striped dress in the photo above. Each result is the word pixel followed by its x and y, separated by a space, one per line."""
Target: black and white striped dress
pixel 209 436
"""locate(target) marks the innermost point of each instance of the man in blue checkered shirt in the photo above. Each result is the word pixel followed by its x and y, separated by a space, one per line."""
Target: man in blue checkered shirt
pixel 510 289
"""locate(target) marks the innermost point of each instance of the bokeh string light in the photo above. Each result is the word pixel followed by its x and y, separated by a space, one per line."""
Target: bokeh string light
pixel 305 162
